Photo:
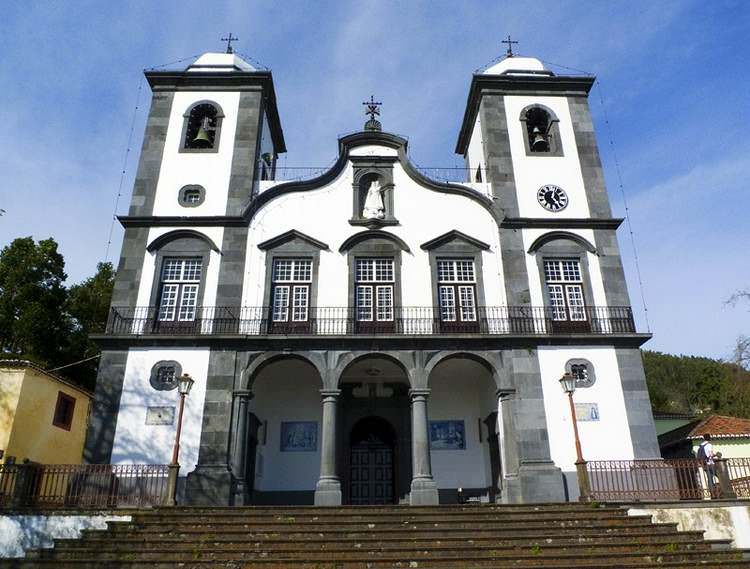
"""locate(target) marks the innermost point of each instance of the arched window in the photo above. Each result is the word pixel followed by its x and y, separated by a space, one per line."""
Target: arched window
pixel 202 127
pixel 542 137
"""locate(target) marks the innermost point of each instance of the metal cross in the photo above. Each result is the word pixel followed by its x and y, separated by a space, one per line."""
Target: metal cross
pixel 372 107
pixel 510 43
pixel 229 41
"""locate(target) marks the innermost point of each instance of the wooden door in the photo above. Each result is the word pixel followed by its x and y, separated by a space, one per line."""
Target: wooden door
pixel 371 473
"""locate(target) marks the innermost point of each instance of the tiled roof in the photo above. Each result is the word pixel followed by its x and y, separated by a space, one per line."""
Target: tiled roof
pixel 31 365
pixel 720 426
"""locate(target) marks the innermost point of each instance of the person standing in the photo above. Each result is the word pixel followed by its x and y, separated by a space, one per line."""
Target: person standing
pixel 707 455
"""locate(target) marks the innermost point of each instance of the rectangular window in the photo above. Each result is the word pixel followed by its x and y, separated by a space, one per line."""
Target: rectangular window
pixel 457 290
pixel 374 289
pixel 180 284
pixel 291 280
pixel 565 289
pixel 64 409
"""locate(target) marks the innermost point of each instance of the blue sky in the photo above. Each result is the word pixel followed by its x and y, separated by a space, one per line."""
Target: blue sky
pixel 673 78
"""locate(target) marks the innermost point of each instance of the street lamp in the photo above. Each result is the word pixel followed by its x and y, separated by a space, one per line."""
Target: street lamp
pixel 184 385
pixel 568 384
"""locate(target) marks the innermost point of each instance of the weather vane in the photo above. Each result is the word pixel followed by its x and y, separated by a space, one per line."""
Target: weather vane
pixel 372 110
pixel 229 41
pixel 510 43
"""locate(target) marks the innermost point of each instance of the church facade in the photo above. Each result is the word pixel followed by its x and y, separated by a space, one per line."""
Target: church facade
pixel 373 333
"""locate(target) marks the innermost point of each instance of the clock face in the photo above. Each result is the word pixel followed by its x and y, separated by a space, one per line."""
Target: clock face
pixel 552 198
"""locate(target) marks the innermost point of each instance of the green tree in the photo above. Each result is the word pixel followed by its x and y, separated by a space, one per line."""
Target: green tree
pixel 32 299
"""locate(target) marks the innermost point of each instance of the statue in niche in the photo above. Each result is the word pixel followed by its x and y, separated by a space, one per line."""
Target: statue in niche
pixel 374 206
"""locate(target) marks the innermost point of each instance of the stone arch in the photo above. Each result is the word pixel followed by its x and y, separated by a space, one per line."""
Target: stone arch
pixel 256 365
pixel 545 108
pixel 542 240
pixel 373 234
pixel 346 361
pixel 490 361
pixel 162 240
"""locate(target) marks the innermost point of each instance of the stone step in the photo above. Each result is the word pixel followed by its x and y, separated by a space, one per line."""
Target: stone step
pixel 488 558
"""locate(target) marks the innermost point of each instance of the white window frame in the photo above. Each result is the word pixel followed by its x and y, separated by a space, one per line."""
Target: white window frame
pixel 459 276
pixel 564 281
pixel 374 289
pixel 290 289
pixel 179 291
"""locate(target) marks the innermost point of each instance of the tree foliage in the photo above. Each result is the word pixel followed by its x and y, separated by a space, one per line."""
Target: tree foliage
pixel 691 384
pixel 43 321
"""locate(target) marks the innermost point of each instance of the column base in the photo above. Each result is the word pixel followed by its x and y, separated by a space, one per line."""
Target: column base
pixel 539 482
pixel 328 492
pixel 424 492
pixel 209 485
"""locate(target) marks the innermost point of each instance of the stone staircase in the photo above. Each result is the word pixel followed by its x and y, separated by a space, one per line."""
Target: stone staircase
pixel 547 535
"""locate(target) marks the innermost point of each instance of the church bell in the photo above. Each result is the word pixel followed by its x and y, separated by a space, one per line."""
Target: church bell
pixel 538 141
pixel 202 134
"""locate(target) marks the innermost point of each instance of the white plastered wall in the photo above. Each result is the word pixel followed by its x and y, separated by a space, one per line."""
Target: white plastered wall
pixel 280 397
pixel 536 285
pixel 533 172
pixel 470 467
pixel 138 443
pixel 605 439
pixel 324 214
pixel 208 169
pixel 145 287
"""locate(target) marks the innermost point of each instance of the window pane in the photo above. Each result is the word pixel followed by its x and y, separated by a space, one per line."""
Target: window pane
pixel 552 271
pixel 383 270
pixel 465 271
pixel 364 270
pixel 280 304
pixel 447 297
pixel 282 270
pixel 302 271
pixel 385 303
pixel 168 301
pixel 575 302
pixel 192 270
pixel 299 306
pixel 557 302
pixel 446 271
pixel 172 270
pixel 166 374
pixel 188 302
pixel 571 270
pixel 364 303
pixel 468 307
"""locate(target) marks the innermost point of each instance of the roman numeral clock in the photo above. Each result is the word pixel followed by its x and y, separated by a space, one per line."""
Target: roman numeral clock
pixel 552 198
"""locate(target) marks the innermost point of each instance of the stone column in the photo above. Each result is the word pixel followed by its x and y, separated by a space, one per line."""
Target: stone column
pixel 239 458
pixel 423 487
pixel 328 488
pixel 509 490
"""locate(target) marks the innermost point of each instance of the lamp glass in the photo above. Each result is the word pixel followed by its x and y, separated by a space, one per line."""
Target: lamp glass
pixel 568 383
pixel 185 384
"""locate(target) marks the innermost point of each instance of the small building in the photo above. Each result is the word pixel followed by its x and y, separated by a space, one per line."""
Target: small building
pixel 729 435
pixel 665 422
pixel 44 416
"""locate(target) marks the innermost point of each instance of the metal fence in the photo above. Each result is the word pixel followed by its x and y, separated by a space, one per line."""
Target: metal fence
pixel 83 485
pixel 338 321
pixel 450 174
pixel 668 479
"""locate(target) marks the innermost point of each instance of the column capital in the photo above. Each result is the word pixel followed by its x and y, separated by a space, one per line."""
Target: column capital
pixel 505 393
pixel 243 394
pixel 330 393
pixel 420 392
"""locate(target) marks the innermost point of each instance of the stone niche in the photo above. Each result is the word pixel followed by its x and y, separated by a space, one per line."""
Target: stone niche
pixel 373 203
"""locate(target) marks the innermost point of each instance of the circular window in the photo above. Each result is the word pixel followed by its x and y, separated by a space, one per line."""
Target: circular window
pixel 165 375
pixel 192 195
pixel 583 371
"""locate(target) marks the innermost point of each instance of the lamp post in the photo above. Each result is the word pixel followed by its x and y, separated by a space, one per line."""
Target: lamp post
pixel 184 384
pixel 568 384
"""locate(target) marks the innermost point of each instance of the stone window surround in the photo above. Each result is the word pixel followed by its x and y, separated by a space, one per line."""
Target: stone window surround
pixel 217 131
pixel 296 249
pixel 589 366
pixel 375 247
pixel 555 143
pixel 184 189
pixel 458 249
pixel 365 169
pixel 154 377
pixel 564 248
pixel 182 247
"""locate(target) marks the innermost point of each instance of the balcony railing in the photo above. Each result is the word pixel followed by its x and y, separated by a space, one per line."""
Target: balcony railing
pixel 451 174
pixel 83 485
pixel 342 321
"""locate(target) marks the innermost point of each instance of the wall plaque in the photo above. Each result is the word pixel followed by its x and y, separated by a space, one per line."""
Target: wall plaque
pixel 587 411
pixel 160 415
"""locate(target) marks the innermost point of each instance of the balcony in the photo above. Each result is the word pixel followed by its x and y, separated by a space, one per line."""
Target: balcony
pixel 342 321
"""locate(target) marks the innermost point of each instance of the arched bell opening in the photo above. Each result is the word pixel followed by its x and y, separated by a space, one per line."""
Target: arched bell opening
pixel 375 431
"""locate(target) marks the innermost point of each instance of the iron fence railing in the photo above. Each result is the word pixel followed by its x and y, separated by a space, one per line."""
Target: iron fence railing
pixel 668 479
pixel 83 485
pixel 450 174
pixel 338 321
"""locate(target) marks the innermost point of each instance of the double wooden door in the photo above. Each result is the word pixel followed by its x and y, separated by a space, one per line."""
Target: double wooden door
pixel 371 472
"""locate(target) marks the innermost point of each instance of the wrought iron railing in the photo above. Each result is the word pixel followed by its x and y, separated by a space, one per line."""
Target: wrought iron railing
pixel 408 320
pixel 668 479
pixel 451 174
pixel 83 485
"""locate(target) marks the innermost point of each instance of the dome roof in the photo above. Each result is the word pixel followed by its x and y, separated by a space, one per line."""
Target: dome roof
pixel 220 62
pixel 517 66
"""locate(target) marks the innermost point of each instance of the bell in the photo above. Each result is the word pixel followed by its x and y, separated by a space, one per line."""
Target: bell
pixel 202 134
pixel 538 141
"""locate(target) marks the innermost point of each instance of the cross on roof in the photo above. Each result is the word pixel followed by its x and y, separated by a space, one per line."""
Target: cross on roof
pixel 372 107
pixel 510 43
pixel 229 41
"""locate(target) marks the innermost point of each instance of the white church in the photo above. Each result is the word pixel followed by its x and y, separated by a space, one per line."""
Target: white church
pixel 372 333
